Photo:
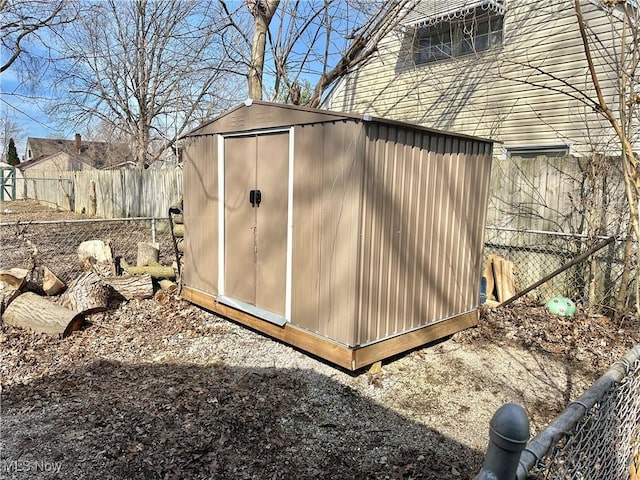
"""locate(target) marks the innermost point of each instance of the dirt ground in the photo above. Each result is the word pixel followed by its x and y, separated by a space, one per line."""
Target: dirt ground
pixel 26 210
pixel 161 389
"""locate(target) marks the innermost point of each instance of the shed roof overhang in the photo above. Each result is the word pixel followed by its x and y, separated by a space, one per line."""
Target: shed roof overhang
pixel 326 116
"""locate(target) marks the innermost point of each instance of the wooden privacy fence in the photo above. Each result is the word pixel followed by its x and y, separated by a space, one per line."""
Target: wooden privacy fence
pixel 106 193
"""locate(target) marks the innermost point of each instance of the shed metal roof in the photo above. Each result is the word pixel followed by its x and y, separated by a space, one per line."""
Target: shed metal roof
pixel 320 116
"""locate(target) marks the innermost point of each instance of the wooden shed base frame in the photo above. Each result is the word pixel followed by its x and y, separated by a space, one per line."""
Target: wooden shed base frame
pixel 346 357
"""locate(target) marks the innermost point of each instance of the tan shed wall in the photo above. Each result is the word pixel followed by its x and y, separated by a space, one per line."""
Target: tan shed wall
pixel 201 214
pixel 388 224
pixel 423 215
pixel 326 200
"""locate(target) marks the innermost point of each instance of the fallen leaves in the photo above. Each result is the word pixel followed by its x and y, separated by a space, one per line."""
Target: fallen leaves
pixel 162 389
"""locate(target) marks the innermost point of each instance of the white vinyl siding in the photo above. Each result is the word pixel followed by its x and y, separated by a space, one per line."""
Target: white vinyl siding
pixel 486 94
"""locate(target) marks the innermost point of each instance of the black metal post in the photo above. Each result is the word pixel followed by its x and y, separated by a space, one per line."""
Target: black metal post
pixel 508 437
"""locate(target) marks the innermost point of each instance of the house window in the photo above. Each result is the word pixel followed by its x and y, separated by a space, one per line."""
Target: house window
pixel 477 31
pixel 551 151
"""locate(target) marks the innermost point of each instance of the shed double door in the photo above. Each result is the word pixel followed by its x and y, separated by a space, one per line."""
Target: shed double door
pixel 256 202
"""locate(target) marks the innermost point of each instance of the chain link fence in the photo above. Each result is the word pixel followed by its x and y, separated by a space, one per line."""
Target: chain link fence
pixel 55 243
pixel 538 253
pixel 534 253
pixel 598 435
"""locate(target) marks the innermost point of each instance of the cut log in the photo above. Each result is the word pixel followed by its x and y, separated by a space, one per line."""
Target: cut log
pixel 178 230
pixel 488 274
pixel 40 315
pixel 14 277
pixel 86 294
pixel 148 253
pixel 131 286
pixel 168 285
pixel 96 256
pixel 180 246
pixel 51 284
pixel 178 219
pixel 7 295
pixel 503 278
pixel 156 271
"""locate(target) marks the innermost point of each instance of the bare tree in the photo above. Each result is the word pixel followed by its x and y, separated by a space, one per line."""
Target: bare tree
pixel 292 41
pixel 262 12
pixel 624 58
pixel 9 129
pixel 148 68
pixel 22 21
pixel 609 101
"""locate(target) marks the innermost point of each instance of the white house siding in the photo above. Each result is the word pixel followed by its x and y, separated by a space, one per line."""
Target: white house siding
pixel 59 162
pixel 483 94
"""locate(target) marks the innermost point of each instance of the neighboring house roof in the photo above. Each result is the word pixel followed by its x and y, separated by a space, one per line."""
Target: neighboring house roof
pixel 122 165
pixel 99 155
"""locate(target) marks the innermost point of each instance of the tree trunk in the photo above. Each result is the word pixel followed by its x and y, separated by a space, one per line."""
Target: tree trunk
pixel 86 294
pixel 262 11
pixel 135 286
pixel 40 315
pixel 625 278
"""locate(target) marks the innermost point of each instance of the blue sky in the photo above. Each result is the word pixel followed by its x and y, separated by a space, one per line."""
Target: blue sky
pixel 20 107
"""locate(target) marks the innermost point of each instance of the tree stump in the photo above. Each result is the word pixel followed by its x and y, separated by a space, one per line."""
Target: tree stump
pixel 40 315
pixel 96 256
pixel 147 253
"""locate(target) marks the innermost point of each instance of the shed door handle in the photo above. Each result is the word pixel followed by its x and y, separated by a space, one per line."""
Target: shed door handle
pixel 255 197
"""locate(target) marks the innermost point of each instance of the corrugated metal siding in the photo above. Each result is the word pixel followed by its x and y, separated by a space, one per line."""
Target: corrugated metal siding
pixel 327 176
pixel 201 214
pixel 422 229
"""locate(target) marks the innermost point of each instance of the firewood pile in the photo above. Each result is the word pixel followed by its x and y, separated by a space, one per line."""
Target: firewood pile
pixel 500 277
pixel 38 300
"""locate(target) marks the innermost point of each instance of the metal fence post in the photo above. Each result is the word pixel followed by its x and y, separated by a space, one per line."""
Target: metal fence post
pixel 508 437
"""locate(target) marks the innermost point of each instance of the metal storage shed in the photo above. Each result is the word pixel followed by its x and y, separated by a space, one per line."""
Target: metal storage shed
pixel 351 237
